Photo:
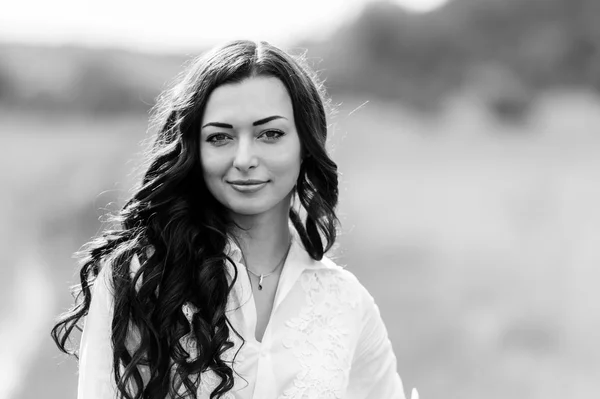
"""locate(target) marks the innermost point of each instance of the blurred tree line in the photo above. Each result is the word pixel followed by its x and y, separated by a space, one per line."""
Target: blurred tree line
pixel 504 51
pixel 82 80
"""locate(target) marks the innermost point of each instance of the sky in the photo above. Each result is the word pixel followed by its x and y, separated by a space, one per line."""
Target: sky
pixel 178 25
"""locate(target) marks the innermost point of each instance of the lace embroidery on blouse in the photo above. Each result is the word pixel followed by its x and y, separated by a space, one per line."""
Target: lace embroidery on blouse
pixel 209 380
pixel 319 339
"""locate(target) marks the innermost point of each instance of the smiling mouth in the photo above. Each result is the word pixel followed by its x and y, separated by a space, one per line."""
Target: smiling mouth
pixel 248 186
pixel 246 182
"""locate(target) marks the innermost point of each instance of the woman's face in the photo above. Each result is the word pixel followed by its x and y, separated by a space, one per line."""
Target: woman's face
pixel 249 147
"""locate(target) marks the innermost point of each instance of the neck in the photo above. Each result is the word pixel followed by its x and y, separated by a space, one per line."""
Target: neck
pixel 264 239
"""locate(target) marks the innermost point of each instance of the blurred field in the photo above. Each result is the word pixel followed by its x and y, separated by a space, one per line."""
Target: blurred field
pixel 478 240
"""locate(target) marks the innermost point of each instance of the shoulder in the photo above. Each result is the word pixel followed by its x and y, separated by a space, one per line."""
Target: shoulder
pixel 331 266
pixel 364 306
pixel 334 289
pixel 329 270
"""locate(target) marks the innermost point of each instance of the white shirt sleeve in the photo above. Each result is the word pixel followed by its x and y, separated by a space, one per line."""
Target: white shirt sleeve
pixel 374 367
pixel 96 380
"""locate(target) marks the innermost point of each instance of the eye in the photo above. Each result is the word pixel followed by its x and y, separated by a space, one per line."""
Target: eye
pixel 218 138
pixel 272 135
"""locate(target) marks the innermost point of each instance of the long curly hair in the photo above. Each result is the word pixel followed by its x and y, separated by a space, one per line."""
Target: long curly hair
pixel 178 230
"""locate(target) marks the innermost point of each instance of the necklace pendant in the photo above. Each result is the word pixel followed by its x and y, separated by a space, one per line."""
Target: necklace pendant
pixel 260 282
pixel 259 287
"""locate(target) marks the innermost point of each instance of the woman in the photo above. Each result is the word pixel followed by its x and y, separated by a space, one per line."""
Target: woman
pixel 215 283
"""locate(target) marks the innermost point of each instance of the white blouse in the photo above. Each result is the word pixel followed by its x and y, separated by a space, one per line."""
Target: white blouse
pixel 325 338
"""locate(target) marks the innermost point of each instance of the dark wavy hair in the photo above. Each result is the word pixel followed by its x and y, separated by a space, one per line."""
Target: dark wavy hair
pixel 179 230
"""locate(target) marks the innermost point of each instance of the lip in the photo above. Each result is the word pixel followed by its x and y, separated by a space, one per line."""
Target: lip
pixel 248 182
pixel 248 186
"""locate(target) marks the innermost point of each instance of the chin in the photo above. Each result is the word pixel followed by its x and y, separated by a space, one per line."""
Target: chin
pixel 255 206
pixel 249 209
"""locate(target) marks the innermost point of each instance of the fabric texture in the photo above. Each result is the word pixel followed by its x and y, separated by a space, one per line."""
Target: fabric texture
pixel 325 338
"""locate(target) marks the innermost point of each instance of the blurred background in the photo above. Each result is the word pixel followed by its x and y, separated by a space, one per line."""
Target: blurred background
pixel 466 131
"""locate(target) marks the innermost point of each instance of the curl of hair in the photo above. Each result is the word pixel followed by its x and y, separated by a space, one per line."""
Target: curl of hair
pixel 178 231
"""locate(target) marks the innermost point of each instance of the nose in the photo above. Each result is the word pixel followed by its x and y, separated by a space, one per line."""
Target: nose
pixel 245 156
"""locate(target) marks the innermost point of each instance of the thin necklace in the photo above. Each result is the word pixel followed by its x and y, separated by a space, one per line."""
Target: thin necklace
pixel 262 276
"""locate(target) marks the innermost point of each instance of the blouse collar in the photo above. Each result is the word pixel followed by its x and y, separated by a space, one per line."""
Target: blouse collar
pixel 297 261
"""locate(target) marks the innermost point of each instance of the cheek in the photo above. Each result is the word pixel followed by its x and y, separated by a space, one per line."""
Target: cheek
pixel 288 159
pixel 287 166
pixel 212 166
pixel 212 175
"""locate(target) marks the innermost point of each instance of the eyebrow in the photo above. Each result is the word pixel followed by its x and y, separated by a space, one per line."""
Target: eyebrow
pixel 256 123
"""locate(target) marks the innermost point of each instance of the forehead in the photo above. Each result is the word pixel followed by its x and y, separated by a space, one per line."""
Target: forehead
pixel 247 101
